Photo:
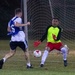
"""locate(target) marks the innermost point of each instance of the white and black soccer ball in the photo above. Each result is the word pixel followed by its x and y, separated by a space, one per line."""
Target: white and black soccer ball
pixel 37 53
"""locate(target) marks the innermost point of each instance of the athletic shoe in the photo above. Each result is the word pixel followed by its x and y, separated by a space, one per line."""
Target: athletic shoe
pixel 65 63
pixel 1 64
pixel 41 65
pixel 29 66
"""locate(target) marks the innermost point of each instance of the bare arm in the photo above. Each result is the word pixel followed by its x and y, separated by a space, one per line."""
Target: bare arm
pixel 19 24
pixel 8 29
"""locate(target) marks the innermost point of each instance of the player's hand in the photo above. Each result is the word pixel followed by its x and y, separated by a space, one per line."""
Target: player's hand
pixel 54 37
pixel 37 43
pixel 28 23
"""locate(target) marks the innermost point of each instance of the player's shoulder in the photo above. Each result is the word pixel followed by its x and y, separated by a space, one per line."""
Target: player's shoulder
pixel 18 19
pixel 59 27
pixel 15 18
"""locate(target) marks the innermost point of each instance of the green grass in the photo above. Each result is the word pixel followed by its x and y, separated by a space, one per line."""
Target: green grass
pixel 53 66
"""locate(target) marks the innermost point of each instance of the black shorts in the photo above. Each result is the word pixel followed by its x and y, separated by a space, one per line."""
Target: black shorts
pixel 15 44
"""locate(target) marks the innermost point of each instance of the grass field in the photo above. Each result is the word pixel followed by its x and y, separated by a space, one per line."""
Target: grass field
pixel 53 66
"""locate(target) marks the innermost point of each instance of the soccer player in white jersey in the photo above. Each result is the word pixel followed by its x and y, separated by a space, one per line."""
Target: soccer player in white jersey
pixel 17 38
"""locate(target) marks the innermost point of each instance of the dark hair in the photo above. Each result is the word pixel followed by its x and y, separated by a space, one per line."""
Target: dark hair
pixel 55 18
pixel 18 10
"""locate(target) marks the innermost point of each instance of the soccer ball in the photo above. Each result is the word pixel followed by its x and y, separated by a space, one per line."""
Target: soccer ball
pixel 37 53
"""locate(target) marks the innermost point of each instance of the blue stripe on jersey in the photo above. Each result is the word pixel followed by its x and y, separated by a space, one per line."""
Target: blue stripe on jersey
pixel 14 29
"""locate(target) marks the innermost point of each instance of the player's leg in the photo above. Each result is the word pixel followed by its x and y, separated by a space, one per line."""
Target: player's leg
pixel 24 47
pixel 48 48
pixel 44 56
pixel 8 55
pixel 27 57
pixel 59 46
pixel 64 51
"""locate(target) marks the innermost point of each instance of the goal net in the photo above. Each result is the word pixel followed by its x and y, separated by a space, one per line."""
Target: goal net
pixel 40 13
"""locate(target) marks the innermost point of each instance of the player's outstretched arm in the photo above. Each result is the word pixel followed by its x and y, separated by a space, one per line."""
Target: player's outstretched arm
pixel 38 42
pixel 19 24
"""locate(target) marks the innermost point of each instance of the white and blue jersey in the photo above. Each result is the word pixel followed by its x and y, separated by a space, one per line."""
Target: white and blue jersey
pixel 16 33
pixel 14 30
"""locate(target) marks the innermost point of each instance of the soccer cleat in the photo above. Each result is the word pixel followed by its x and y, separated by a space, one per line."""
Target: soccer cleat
pixel 1 64
pixel 65 63
pixel 29 66
pixel 41 65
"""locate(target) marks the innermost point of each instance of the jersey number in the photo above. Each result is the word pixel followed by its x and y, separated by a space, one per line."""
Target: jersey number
pixel 12 28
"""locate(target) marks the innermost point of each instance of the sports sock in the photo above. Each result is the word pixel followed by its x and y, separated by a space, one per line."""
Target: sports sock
pixel 4 59
pixel 28 64
pixel 44 56
pixel 64 51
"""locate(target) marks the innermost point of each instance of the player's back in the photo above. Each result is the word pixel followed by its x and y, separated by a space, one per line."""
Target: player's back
pixel 17 32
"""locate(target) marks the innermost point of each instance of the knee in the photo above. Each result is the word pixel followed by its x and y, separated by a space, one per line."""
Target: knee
pixel 64 49
pixel 47 48
pixel 12 53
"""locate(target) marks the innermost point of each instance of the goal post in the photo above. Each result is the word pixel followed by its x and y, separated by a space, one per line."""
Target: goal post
pixel 51 9
pixel 24 5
